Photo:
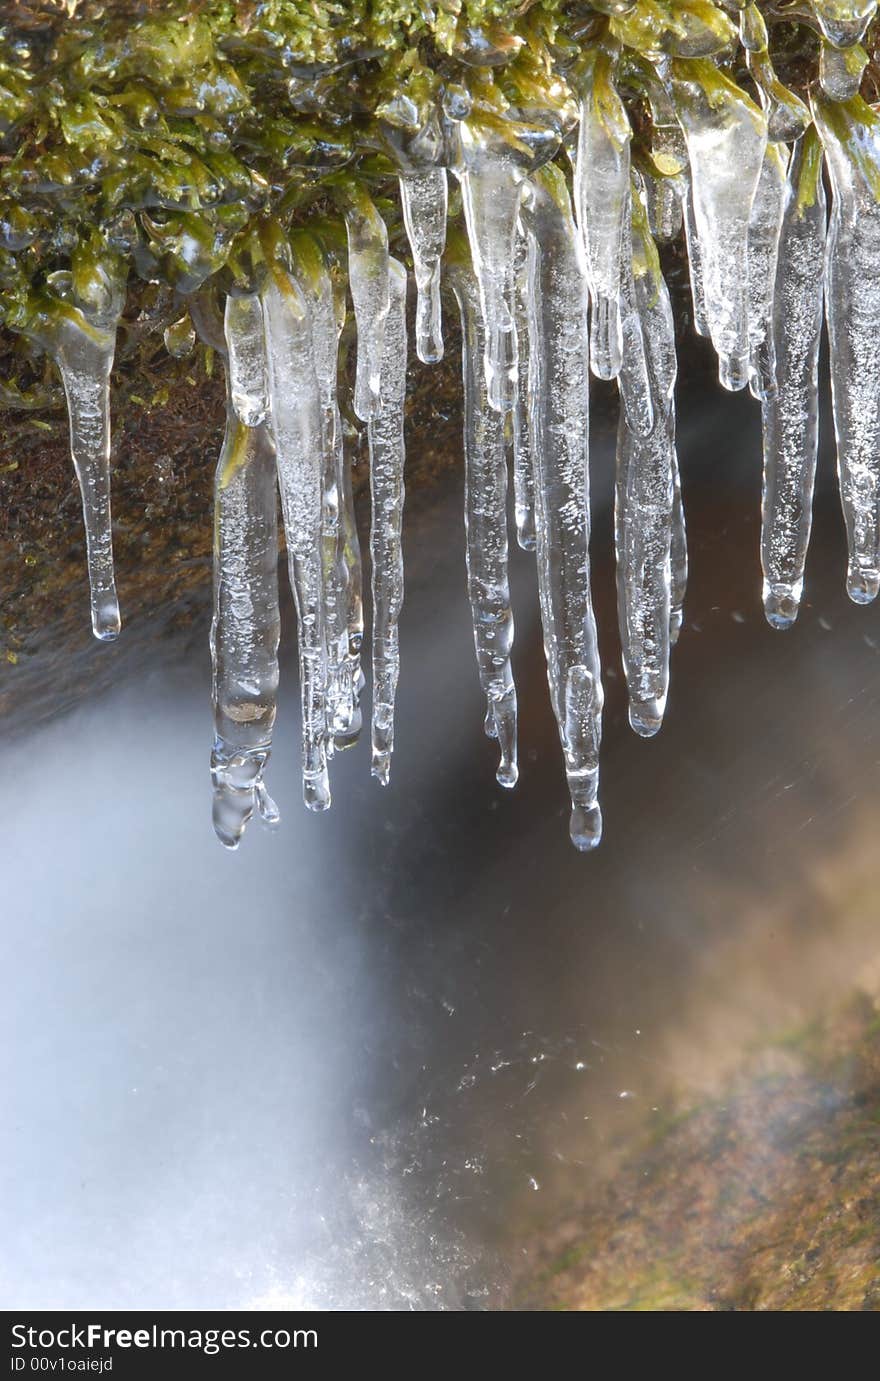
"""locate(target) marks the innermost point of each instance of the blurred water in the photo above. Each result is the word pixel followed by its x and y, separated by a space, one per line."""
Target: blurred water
pixel 354 1065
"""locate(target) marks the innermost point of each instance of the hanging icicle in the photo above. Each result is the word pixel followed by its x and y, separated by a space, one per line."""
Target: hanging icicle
pixel 295 422
pixel 387 456
pixel 82 341
pixel 553 284
pixel 790 410
pixel 486 528
pixel 560 422
pixel 645 490
pixel 850 134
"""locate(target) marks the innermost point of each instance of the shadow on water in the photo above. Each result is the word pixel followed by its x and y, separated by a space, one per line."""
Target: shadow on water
pixel 365 1061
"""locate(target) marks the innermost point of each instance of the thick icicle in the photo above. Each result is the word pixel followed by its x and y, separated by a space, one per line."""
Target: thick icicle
pixel 424 197
pixel 850 133
pixel 528 383
pixel 602 194
pixel 82 342
pixel 491 187
pixel 243 328
pixel 368 282
pixel 245 628
pixel 562 505
pixel 726 137
pixel 343 720
pixel 790 412
pixel 295 417
pixel 486 528
pixel 387 457
pixel 765 224
pixel 645 491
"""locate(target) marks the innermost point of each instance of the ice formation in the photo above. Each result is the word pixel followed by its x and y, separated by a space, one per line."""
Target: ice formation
pixel 552 259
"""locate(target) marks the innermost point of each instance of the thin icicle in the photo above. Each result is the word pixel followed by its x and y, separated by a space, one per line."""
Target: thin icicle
pixel 602 193
pixel 245 628
pixel 790 413
pixel 765 224
pixel 316 284
pixel 243 329
pixel 562 505
pixel 486 528
pixel 82 343
pixel 387 456
pixel 295 417
pixel 424 197
pixel 645 492
pixel 491 188
pixel 678 557
pixel 368 281
pixel 850 133
pixel 726 137
pixel 528 384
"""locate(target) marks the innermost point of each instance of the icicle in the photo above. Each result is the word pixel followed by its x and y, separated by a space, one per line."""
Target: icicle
pixel 678 557
pixel 843 22
pixel 343 719
pixel 560 413
pixel 695 266
pixel 82 342
pixel 491 187
pixel 368 282
pixel 841 71
pixel 295 418
pixel 790 413
pixel 765 223
pixel 850 133
pixel 528 384
pixel 387 456
pixel 602 192
pixel 645 491
pixel 245 628
pixel 424 198
pixel 726 137
pixel 486 527
pixel 243 327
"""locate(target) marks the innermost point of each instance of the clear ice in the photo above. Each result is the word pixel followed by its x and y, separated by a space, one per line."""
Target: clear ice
pixel 424 197
pixel 602 193
pixel 296 425
pixel 387 456
pixel 560 423
pixel 550 287
pixel 528 383
pixel 368 283
pixel 486 527
pixel 246 626
pixel 82 342
pixel 726 137
pixel 645 488
pixel 765 224
pixel 491 180
pixel 790 410
pixel 850 134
